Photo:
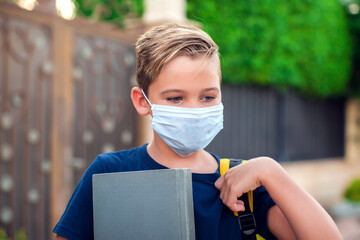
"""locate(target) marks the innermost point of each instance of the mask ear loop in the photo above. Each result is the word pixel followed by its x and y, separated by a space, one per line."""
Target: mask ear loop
pixel 151 115
pixel 146 97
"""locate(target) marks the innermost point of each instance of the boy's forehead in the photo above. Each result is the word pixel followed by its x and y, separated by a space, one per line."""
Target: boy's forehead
pixel 201 61
pixel 188 74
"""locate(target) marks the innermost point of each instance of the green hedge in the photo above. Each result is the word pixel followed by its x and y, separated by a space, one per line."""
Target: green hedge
pixel 352 192
pixel 354 20
pixel 301 44
pixel 113 11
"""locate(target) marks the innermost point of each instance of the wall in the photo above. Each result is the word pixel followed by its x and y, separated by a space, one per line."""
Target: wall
pixel 326 180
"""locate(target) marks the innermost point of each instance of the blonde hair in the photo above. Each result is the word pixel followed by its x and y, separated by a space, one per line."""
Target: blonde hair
pixel 160 45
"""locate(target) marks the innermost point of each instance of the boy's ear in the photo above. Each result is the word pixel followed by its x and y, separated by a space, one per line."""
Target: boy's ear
pixel 139 101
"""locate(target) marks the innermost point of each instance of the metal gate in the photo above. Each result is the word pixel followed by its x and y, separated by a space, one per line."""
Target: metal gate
pixel 64 97
pixel 285 126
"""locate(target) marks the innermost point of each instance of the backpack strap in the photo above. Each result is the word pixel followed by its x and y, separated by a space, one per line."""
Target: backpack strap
pixel 246 218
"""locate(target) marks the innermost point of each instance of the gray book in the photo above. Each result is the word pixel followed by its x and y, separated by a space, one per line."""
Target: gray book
pixel 155 204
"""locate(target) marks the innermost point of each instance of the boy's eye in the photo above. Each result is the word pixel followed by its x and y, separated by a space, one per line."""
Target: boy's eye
pixel 174 99
pixel 207 98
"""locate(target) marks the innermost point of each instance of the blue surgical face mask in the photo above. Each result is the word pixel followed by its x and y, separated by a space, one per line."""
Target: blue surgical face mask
pixel 186 130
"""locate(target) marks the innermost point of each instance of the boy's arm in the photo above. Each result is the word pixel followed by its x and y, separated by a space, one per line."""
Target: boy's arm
pixel 305 217
pixel 279 225
pixel 58 237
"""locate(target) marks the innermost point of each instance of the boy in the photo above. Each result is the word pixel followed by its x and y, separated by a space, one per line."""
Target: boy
pixel 178 74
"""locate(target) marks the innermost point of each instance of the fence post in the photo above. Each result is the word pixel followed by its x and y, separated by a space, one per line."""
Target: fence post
pixel 160 11
pixel 352 131
pixel 61 175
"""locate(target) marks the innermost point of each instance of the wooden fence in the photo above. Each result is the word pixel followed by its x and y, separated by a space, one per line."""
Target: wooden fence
pixel 262 122
pixel 64 98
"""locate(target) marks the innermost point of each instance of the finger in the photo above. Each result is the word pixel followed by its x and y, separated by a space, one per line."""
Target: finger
pixel 219 183
pixel 239 206
pixel 231 199
pixel 230 196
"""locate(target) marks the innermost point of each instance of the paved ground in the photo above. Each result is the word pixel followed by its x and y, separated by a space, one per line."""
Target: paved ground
pixel 349 227
pixel 347 217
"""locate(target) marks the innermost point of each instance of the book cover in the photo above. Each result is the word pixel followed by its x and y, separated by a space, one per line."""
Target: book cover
pixel 154 204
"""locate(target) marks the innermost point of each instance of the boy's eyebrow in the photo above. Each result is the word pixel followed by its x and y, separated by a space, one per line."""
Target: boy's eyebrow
pixel 212 89
pixel 182 91
pixel 171 91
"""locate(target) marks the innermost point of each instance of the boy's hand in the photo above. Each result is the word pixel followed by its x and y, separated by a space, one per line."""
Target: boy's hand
pixel 241 179
pixel 307 220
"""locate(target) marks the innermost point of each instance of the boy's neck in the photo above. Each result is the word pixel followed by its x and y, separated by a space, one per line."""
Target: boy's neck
pixel 198 162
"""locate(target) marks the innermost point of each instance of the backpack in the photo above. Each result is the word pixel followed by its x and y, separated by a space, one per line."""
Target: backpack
pixel 246 218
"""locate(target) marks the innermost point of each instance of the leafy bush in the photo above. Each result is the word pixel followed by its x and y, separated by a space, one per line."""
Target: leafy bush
pixel 114 11
pixel 353 9
pixel 302 44
pixel 3 235
pixel 352 192
pixel 20 235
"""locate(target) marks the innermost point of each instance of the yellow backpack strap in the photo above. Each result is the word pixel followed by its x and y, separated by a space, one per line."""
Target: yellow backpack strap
pixel 224 165
pixel 246 219
pixel 258 237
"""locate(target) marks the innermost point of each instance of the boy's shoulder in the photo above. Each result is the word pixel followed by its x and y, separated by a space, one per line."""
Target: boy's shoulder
pixel 124 160
pixel 123 153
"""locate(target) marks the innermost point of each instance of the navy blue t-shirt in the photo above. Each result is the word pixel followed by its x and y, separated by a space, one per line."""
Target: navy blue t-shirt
pixel 213 220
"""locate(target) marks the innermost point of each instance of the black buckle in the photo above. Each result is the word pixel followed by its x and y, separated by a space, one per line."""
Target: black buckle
pixel 247 223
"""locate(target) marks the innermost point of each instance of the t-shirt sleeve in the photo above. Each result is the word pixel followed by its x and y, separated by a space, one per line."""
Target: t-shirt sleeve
pixel 77 220
pixel 262 203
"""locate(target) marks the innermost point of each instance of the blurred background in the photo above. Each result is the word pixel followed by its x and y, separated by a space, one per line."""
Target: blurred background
pixel 291 88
